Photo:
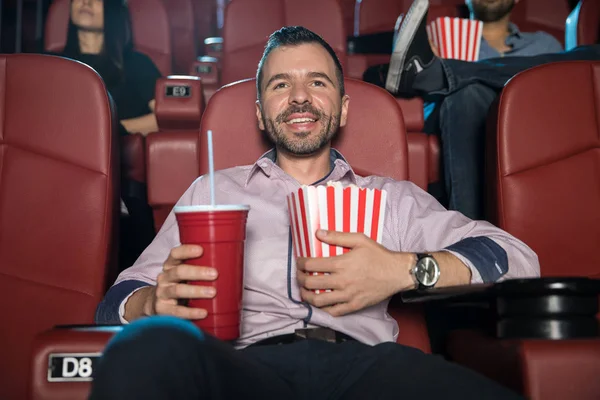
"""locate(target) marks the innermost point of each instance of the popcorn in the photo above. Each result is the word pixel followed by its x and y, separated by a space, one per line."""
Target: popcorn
pixel 333 207
pixel 456 38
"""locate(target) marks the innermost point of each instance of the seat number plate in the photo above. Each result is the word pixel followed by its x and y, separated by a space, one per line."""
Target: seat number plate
pixel 72 367
pixel 179 91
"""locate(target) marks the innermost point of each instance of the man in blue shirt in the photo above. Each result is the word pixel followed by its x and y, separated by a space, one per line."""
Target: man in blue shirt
pixel 503 38
pixel 465 90
pixel 459 117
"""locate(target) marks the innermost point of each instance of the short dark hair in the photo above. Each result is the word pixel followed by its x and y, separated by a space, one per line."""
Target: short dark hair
pixel 295 36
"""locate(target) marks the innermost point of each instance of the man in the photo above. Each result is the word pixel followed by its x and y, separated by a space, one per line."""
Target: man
pixel 301 105
pixel 503 38
pixel 464 92
pixel 460 120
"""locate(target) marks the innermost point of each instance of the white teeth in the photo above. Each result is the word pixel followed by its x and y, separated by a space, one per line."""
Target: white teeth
pixel 299 120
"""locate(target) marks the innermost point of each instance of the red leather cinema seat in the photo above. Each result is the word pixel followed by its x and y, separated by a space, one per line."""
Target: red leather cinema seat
pixel 151 32
pixel 183 34
pixel 172 152
pixel 205 15
pixel 249 23
pixel 544 180
pixel 149 26
pixel 58 200
pixel 542 15
pixel 373 142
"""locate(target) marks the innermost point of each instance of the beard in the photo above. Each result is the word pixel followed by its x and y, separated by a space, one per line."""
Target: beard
pixel 491 12
pixel 302 143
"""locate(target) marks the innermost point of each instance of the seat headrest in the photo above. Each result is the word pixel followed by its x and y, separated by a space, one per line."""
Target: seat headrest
pixel 151 32
pixel 250 22
pixel 373 140
pixel 57 23
pixel 569 110
pixel 179 103
pixel 148 28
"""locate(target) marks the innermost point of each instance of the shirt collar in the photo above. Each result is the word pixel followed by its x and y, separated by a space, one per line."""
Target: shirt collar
pixel 339 167
pixel 513 30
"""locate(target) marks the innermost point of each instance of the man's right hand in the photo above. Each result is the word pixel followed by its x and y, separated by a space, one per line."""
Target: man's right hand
pixel 171 286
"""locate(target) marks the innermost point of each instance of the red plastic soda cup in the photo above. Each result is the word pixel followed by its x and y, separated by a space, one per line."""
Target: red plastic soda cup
pixel 221 231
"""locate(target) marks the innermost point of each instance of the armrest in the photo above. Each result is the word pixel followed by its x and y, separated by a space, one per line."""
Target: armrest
pixel 63 361
pixel 539 369
pixel 546 343
pixel 172 165
pixel 213 46
pixel 179 103
pixel 544 308
pixel 207 68
pixel 134 157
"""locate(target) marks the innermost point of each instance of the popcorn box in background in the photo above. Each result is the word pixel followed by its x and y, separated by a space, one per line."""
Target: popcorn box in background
pixel 456 38
pixel 332 207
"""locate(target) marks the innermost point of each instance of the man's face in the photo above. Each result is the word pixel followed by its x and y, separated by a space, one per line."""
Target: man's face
pixel 490 10
pixel 300 108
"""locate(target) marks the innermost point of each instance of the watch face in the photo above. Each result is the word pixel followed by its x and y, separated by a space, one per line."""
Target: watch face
pixel 427 272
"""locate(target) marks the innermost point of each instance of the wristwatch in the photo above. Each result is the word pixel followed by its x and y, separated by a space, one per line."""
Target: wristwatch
pixel 426 271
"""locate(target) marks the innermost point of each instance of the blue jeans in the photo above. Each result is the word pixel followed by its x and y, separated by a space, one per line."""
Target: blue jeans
pixel 470 90
pixel 495 72
pixel 462 119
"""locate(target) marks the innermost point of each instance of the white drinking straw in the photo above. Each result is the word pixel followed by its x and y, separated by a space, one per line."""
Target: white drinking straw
pixel 211 168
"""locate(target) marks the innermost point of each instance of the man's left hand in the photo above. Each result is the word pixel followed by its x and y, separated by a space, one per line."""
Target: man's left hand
pixel 366 275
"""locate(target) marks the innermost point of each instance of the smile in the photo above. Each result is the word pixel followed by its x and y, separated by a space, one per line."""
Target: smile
pixel 300 121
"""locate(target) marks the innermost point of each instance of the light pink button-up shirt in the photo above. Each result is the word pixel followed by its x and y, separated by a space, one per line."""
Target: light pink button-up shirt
pixel 415 222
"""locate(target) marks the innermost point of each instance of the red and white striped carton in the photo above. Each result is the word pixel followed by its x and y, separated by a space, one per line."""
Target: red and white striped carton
pixel 456 38
pixel 332 207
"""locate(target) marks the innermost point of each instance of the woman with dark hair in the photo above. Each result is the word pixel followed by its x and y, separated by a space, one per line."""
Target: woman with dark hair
pixel 99 35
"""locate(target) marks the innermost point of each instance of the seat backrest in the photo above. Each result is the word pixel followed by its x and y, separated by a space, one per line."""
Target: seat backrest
pixel 149 25
pixel 57 22
pixel 374 132
pixel 183 34
pixel 249 23
pixel 372 16
pixel 58 199
pixel 373 142
pixel 544 172
pixel 583 24
pixel 542 15
pixel 347 7
pixel 151 32
pixel 205 14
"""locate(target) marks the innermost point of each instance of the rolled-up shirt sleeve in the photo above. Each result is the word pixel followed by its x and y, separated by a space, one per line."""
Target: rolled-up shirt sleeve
pixel 425 226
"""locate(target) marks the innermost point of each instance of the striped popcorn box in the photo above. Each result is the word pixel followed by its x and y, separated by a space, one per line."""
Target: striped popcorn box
pixel 456 38
pixel 332 207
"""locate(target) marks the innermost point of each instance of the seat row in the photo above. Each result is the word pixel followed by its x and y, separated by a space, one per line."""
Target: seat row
pixel 181 117
pixel 59 203
pixel 174 32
